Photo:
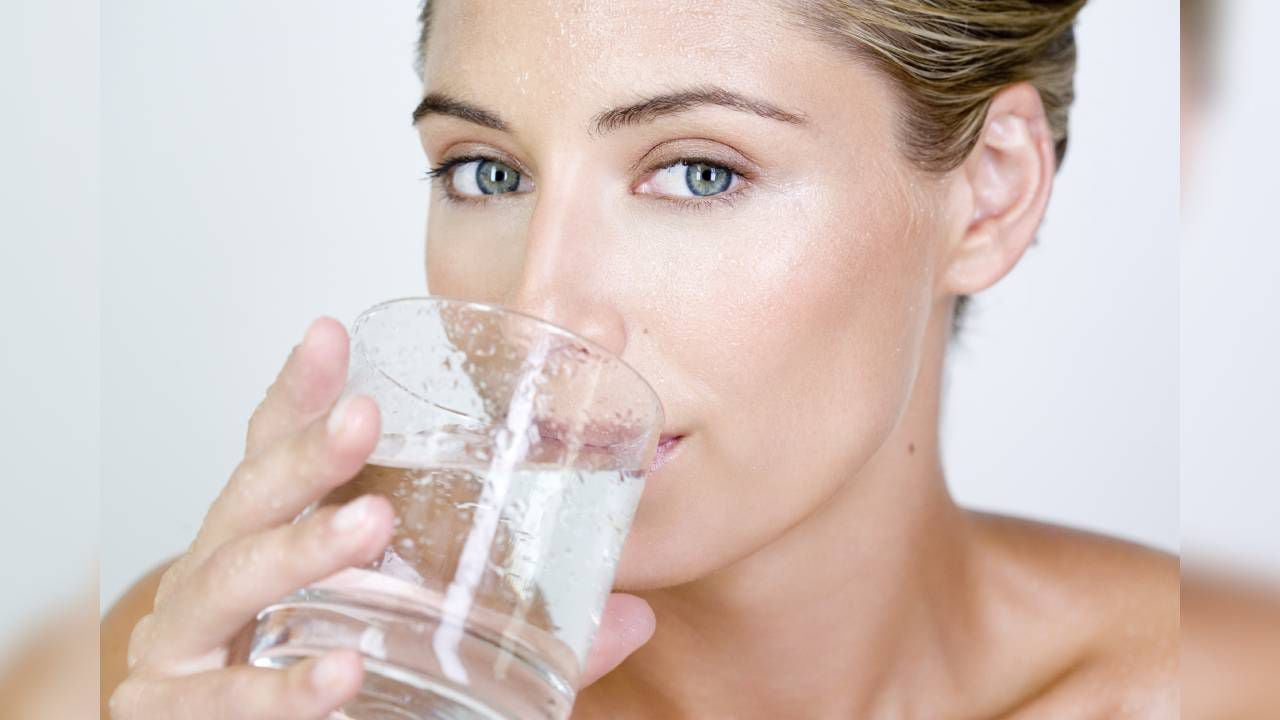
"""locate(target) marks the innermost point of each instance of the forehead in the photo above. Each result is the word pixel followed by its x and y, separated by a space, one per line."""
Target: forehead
pixel 619 28
pixel 582 55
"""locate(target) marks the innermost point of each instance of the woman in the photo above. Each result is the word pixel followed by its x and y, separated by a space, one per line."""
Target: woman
pixel 774 210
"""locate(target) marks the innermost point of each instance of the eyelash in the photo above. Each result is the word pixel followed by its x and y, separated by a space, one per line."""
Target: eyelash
pixel 440 172
pixel 443 168
pixel 438 176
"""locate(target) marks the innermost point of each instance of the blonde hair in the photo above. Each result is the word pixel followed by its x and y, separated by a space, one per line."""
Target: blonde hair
pixel 950 57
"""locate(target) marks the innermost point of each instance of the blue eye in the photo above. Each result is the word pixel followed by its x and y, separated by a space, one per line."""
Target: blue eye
pixel 703 179
pixel 690 179
pixel 477 177
pixel 494 178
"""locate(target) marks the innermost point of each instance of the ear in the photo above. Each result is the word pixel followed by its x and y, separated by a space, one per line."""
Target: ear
pixel 1003 188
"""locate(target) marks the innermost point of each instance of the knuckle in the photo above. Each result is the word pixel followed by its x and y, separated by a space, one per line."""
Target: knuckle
pixel 256 431
pixel 224 564
pixel 313 539
pixel 171 578
pixel 243 484
pixel 263 402
pixel 233 571
pixel 123 703
pixel 139 640
pixel 262 422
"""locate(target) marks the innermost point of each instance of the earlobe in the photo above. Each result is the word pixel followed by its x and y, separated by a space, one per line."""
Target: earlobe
pixel 1007 175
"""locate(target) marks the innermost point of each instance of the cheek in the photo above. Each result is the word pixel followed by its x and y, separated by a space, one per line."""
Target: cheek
pixel 807 341
pixel 863 325
pixel 812 329
pixel 474 254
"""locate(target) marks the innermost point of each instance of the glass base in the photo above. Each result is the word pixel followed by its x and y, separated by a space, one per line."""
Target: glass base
pixel 482 674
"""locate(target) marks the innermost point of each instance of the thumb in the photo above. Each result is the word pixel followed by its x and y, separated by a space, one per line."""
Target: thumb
pixel 627 623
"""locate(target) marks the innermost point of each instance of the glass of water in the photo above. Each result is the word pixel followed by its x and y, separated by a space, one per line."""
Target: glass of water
pixel 513 452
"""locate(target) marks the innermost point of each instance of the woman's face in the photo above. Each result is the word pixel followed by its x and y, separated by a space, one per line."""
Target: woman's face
pixel 775 288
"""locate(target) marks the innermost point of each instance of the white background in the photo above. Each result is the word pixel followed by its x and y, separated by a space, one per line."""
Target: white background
pixel 258 169
pixel 49 258
pixel 1230 297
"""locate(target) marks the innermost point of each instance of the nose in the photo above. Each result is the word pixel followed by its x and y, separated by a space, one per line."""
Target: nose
pixel 564 278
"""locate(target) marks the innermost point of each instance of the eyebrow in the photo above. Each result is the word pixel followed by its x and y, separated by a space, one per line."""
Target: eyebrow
pixel 440 104
pixel 647 110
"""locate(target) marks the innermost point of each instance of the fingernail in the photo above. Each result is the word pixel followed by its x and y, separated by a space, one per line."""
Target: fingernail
pixel 328 671
pixel 352 515
pixel 337 416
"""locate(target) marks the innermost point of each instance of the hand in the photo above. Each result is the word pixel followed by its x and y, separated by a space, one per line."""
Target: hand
pixel 248 555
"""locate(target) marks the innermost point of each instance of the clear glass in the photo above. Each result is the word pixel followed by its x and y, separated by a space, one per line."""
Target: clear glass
pixel 514 453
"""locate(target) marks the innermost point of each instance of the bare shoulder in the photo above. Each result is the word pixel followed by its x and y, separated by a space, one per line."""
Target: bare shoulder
pixel 1102 614
pixel 1230 646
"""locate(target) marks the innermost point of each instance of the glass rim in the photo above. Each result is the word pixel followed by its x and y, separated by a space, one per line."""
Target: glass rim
pixel 547 325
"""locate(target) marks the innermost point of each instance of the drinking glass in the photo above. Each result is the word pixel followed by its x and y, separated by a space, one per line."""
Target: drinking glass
pixel 513 452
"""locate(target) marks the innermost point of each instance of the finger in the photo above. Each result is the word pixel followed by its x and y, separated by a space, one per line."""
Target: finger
pixel 272 487
pixel 246 575
pixel 308 384
pixel 139 640
pixel 313 688
pixel 626 624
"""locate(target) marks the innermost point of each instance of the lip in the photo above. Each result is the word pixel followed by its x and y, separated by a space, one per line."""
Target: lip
pixel 596 436
pixel 607 439
pixel 668 445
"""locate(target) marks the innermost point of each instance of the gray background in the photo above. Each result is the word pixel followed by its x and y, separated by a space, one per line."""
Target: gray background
pixel 258 169
pixel 49 286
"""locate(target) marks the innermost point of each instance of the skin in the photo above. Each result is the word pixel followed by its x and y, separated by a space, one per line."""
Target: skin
pixel 49 668
pixel 1230 644
pixel 795 330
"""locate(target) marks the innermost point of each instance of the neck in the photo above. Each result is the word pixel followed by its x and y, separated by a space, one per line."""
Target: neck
pixel 849 609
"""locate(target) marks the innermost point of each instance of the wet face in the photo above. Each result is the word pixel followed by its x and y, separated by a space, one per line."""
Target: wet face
pixel 715 195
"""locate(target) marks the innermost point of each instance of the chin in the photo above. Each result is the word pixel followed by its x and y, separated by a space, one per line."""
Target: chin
pixel 673 538
pixel 660 557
